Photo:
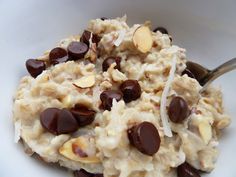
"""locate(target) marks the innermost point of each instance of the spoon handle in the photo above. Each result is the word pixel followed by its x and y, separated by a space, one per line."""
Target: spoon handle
pixel 212 75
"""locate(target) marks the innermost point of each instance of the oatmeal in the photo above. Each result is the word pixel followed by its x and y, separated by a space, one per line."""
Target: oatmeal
pixel 119 101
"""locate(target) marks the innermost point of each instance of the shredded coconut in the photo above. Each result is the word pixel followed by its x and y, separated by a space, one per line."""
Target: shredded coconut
pixel 91 40
pixel 120 38
pixel 17 131
pixel 164 116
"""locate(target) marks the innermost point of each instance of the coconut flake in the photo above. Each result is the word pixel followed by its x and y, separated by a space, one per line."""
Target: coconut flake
pixel 17 131
pixel 90 40
pixel 121 36
pixel 164 116
pixel 124 18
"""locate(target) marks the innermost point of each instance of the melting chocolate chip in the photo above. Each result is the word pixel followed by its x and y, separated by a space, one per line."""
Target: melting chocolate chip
pixel 107 97
pixel 58 121
pixel 131 90
pixel 58 55
pixel 161 29
pixel 77 50
pixel 186 170
pixel 35 67
pixel 109 60
pixel 145 138
pixel 178 110
pixel 83 173
pixel 83 115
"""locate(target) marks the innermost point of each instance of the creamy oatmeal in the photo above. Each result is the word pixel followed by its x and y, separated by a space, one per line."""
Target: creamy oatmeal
pixel 118 101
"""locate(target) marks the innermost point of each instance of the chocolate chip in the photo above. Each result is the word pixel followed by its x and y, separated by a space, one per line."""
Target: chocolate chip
pixel 96 39
pixel 83 115
pixel 83 173
pixel 98 175
pixel 58 121
pixel 35 67
pixel 186 170
pixel 66 122
pixel 109 60
pixel 103 18
pixel 58 55
pixel 161 29
pixel 49 118
pixel 178 110
pixel 189 73
pixel 145 138
pixel 86 37
pixel 107 97
pixel 77 50
pixel 131 90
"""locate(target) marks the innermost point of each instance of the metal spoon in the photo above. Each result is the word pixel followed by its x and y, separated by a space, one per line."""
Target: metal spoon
pixel 206 76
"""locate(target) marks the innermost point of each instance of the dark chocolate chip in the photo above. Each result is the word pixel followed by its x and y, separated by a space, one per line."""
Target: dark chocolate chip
pixel 58 121
pixel 58 55
pixel 83 173
pixel 103 18
pixel 145 138
pixel 109 60
pixel 77 50
pixel 98 175
pixel 186 170
pixel 35 67
pixel 49 118
pixel 66 122
pixel 161 29
pixel 96 39
pixel 178 110
pixel 189 73
pixel 86 37
pixel 131 90
pixel 107 97
pixel 83 115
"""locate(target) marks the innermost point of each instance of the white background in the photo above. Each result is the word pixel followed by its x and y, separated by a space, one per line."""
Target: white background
pixel 206 28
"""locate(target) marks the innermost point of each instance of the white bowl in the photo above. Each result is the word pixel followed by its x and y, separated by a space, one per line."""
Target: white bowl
pixel 28 28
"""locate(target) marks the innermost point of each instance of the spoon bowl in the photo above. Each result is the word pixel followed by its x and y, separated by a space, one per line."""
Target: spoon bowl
pixel 205 76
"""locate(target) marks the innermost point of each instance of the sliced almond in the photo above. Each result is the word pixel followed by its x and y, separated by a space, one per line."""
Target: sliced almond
pixel 223 123
pixel 205 131
pixel 81 143
pixel 142 39
pixel 85 82
pixel 67 102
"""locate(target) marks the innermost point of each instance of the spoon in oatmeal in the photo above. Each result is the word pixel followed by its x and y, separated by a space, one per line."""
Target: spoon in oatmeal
pixel 206 76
